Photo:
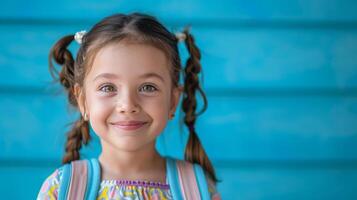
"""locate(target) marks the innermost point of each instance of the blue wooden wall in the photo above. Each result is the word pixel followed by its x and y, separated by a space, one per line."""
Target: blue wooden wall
pixel 281 80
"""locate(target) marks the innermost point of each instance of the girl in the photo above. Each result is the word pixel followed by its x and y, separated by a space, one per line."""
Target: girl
pixel 125 83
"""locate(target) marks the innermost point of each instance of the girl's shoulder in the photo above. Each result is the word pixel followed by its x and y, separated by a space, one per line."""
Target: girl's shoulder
pixel 50 187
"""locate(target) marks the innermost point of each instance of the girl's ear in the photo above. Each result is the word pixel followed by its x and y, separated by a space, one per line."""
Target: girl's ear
pixel 175 98
pixel 80 98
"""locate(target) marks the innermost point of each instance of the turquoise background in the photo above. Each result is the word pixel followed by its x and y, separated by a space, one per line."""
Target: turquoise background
pixel 280 77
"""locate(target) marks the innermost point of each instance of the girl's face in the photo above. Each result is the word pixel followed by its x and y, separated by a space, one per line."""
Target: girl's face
pixel 129 96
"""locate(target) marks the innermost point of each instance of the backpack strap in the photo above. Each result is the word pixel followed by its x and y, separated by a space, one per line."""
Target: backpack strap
pixel 80 180
pixel 201 181
pixel 94 181
pixel 78 183
pixel 172 176
pixel 187 181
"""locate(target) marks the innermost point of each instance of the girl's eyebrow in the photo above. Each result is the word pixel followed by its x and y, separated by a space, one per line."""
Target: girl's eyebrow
pixel 154 75
pixel 106 75
pixel 143 76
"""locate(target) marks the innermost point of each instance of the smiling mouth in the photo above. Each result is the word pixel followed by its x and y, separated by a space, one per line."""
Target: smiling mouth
pixel 129 126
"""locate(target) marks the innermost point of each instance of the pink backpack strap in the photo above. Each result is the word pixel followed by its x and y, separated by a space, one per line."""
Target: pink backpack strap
pixel 187 179
pixel 78 182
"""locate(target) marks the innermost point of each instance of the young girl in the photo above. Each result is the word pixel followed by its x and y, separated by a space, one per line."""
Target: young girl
pixel 125 83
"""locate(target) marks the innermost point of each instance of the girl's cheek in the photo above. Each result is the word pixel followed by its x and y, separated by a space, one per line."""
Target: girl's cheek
pixel 159 106
pixel 155 101
pixel 100 103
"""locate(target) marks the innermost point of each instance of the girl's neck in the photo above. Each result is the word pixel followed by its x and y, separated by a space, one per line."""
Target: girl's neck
pixel 146 165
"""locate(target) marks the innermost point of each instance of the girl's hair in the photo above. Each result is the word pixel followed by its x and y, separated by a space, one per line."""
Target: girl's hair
pixel 137 28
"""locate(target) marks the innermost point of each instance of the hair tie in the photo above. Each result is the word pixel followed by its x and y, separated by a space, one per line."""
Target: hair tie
pixel 180 36
pixel 79 36
pixel 191 127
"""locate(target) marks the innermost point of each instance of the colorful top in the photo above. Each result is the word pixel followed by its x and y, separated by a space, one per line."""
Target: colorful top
pixel 119 189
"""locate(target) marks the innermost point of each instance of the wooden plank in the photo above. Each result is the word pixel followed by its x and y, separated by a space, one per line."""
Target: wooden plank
pixel 33 126
pixel 185 9
pixel 311 59
pixel 23 182
pixel 264 184
pixel 280 128
pixel 236 128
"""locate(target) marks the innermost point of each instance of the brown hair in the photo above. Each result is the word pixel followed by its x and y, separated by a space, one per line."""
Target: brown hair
pixel 139 28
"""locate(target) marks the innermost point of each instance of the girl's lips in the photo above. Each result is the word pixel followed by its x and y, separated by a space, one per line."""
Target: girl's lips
pixel 129 125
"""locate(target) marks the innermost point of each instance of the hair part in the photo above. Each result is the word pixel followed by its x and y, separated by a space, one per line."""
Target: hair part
pixel 137 28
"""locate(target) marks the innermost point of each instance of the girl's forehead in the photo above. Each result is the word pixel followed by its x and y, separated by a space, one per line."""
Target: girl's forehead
pixel 130 60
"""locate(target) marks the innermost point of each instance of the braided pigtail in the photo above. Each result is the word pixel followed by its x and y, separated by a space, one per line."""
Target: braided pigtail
pixel 194 150
pixel 76 136
pixel 79 132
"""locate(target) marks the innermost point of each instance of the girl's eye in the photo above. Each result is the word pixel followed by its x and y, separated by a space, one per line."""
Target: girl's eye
pixel 148 88
pixel 107 88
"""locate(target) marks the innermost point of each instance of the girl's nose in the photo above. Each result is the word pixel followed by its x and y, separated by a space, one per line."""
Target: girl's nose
pixel 127 104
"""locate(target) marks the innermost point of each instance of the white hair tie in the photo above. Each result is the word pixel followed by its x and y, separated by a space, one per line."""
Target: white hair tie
pixel 79 36
pixel 180 36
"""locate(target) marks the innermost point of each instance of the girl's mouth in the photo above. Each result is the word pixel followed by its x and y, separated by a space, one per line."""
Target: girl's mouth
pixel 129 125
